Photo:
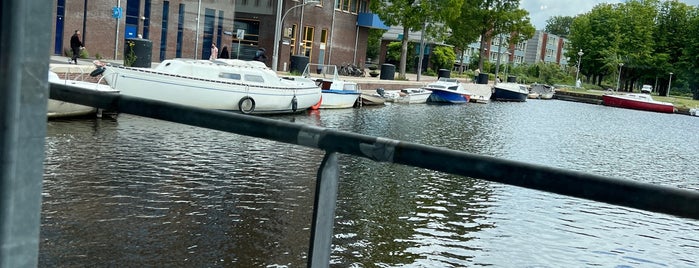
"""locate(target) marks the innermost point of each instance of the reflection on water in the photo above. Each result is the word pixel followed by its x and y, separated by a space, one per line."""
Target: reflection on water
pixel 136 191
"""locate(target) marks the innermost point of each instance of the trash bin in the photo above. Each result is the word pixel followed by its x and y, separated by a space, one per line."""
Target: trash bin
pixel 298 63
pixel 482 78
pixel 511 79
pixel 388 71
pixel 138 52
pixel 444 73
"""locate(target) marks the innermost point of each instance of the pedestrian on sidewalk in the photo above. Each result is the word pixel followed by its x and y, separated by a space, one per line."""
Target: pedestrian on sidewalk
pixel 76 45
pixel 214 52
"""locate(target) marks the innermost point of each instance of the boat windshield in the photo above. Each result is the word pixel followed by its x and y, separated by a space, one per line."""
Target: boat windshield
pixel 229 76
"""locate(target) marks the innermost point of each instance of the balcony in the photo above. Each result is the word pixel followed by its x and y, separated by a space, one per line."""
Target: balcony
pixel 370 20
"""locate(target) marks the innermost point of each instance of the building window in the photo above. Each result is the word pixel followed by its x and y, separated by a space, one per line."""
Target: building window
pixel 180 31
pixel 163 30
pixel 292 47
pixel 307 41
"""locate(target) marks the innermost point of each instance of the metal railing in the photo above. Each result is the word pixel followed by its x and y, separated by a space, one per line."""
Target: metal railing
pixel 663 199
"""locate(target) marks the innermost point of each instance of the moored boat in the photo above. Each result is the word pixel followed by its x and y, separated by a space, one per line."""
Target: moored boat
pixel 62 109
pixel 510 92
pixel 336 93
pixel 448 90
pixel 407 95
pixel 540 91
pixel 637 101
pixel 249 87
pixel 371 98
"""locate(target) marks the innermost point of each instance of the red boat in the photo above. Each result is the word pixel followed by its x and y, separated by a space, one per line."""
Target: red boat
pixel 638 102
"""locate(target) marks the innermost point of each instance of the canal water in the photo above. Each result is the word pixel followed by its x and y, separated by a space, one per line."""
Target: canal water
pixel 140 192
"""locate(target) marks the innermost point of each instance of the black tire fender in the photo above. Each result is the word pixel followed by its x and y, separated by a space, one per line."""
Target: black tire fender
pixel 294 104
pixel 246 105
pixel 97 71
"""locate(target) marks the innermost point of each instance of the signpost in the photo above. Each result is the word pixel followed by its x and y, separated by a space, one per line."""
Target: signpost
pixel 117 13
pixel 240 34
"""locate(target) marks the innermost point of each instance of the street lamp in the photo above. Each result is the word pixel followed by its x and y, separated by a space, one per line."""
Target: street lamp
pixel 577 72
pixel 277 29
pixel 669 84
pixel 619 78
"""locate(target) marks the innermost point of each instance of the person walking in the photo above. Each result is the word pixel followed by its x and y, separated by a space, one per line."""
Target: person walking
pixel 260 55
pixel 214 52
pixel 224 53
pixel 75 45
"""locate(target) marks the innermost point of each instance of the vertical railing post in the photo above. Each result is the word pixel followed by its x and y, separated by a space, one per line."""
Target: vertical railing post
pixel 24 56
pixel 324 212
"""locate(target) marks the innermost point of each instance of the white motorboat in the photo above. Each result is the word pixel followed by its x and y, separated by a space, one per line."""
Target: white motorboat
pixel 448 90
pixel 337 93
pixel 233 85
pixel 407 95
pixel 61 109
pixel 510 92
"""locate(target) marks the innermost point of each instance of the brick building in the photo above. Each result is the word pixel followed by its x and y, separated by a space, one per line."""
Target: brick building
pixel 327 32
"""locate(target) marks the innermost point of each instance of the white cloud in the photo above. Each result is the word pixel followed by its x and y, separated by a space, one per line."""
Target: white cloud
pixel 542 10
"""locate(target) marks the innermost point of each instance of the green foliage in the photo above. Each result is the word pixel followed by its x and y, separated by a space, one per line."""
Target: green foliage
pixel 98 56
pixel 130 56
pixel 559 25
pixel 443 57
pixel 374 43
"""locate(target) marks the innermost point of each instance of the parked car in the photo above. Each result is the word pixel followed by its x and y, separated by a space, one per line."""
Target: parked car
pixel 646 89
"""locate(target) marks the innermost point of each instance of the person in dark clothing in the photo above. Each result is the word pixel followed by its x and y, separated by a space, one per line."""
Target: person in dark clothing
pixel 224 53
pixel 260 55
pixel 76 45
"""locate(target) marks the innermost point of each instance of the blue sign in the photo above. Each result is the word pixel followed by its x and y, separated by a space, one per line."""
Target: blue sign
pixel 117 12
pixel 130 31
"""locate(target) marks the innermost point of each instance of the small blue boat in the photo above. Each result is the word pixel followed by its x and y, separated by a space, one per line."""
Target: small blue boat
pixel 448 90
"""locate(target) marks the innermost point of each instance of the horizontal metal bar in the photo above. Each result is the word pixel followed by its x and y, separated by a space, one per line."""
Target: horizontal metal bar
pixel 615 191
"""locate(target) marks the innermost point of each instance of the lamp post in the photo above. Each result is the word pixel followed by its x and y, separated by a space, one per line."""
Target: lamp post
pixel 277 29
pixel 669 84
pixel 577 72
pixel 619 78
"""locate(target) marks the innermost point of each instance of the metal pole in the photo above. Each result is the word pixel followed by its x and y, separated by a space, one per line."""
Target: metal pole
pixel 324 212
pixel 669 84
pixel 580 53
pixel 116 35
pixel 196 35
pixel 24 82
pixel 277 36
pixel 618 80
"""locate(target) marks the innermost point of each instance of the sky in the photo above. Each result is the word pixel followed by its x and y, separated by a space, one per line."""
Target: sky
pixel 541 10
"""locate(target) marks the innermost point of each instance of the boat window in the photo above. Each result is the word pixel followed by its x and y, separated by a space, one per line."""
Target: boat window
pixel 350 87
pixel 229 76
pixel 254 78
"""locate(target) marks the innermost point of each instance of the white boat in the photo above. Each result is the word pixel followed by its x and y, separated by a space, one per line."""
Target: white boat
pixel 540 91
pixel 337 93
pixel 510 92
pixel 407 95
pixel 249 87
pixel 370 98
pixel 60 109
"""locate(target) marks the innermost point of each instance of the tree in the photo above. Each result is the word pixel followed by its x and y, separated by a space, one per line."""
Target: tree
pixel 443 57
pixel 690 55
pixel 495 17
pixel 559 25
pixel 413 15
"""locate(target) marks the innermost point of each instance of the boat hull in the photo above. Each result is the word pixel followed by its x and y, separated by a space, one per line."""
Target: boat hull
pixel 63 109
pixel 372 99
pixel 628 102
pixel 442 96
pixel 338 99
pixel 509 93
pixel 254 98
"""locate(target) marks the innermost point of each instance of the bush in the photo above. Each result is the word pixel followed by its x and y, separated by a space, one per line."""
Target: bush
pixel 443 57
